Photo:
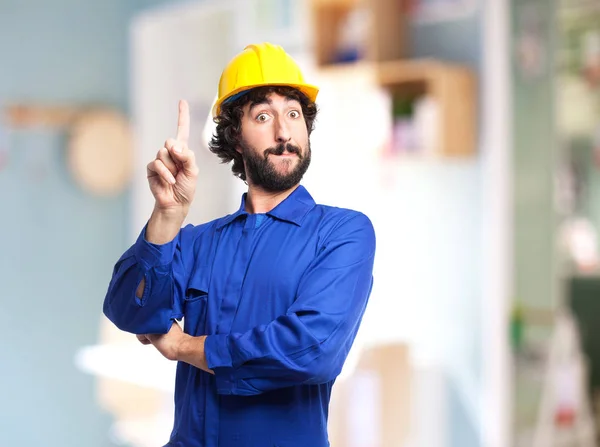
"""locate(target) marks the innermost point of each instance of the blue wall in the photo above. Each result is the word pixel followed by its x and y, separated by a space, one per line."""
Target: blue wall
pixel 58 243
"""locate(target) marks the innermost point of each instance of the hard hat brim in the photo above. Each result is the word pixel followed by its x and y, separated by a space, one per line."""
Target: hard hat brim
pixel 310 91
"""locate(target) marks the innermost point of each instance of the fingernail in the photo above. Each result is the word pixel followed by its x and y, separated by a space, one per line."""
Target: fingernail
pixel 172 180
pixel 177 148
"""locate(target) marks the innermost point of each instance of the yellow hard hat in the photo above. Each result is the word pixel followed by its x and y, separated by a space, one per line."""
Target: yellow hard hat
pixel 259 65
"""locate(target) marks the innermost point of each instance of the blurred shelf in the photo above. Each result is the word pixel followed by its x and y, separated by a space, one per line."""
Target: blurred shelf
pixel 403 71
pixel 383 21
pixel 384 47
pixel 32 115
pixel 334 3
pixel 452 86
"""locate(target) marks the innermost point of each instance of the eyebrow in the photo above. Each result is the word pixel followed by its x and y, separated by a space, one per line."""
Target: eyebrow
pixel 258 103
pixel 267 101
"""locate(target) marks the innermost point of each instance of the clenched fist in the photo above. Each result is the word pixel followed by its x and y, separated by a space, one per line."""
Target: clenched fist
pixel 172 175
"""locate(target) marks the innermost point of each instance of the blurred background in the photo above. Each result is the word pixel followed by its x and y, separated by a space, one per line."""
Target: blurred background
pixel 467 130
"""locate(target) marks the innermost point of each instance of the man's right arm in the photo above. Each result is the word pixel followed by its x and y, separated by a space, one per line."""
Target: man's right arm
pixel 147 286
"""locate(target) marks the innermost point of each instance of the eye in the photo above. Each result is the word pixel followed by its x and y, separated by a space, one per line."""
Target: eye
pixel 263 117
pixel 294 114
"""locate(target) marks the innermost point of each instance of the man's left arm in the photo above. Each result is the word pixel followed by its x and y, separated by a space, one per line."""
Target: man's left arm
pixel 307 345
pixel 310 343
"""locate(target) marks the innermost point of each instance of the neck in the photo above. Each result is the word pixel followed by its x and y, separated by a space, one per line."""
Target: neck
pixel 260 201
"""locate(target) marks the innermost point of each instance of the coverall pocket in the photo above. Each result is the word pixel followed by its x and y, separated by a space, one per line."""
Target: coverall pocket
pixel 195 302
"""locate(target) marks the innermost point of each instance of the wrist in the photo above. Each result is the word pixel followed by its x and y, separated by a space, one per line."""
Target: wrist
pixel 170 214
pixel 164 225
pixel 183 348
pixel 191 350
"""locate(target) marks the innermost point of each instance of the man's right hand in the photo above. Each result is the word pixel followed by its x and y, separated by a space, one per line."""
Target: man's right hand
pixel 172 178
pixel 172 175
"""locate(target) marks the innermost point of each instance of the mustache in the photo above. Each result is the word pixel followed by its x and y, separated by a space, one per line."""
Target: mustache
pixel 281 148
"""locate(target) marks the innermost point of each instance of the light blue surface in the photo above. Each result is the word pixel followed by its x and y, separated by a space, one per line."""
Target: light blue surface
pixel 58 243
pixel 458 191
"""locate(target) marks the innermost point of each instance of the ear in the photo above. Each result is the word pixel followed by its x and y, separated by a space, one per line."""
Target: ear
pixel 238 147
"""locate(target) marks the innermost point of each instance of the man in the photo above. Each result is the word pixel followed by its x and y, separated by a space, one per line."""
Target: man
pixel 272 296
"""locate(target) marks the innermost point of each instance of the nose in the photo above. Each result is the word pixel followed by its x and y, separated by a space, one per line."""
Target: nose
pixel 282 132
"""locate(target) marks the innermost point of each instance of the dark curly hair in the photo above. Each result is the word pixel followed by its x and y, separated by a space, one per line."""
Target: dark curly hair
pixel 229 123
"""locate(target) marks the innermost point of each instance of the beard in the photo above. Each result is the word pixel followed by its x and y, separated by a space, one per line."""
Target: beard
pixel 261 172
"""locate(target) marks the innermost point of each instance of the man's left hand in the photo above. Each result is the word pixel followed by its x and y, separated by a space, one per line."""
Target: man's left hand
pixel 169 344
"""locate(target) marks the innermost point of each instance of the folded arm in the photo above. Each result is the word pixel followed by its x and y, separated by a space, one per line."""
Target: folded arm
pixel 146 290
pixel 309 344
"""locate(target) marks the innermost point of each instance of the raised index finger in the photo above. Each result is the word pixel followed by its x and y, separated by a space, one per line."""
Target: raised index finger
pixel 183 122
